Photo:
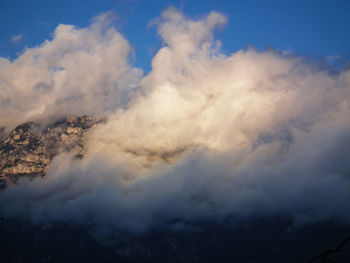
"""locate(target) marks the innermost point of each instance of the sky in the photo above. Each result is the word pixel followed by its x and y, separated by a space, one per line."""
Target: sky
pixel 213 129
pixel 313 28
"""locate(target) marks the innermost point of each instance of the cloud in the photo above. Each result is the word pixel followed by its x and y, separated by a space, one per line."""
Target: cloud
pixel 16 38
pixel 79 71
pixel 205 136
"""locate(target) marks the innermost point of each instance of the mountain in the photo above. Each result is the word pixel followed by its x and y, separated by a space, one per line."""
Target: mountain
pixel 29 149
pixel 261 241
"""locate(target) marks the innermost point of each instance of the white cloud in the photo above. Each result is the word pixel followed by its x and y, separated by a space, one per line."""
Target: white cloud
pixel 16 38
pixel 205 136
pixel 79 71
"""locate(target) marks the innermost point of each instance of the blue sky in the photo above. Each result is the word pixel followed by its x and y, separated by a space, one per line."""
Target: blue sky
pixel 315 28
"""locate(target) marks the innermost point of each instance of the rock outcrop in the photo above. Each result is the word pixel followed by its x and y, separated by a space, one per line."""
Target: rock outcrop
pixel 30 147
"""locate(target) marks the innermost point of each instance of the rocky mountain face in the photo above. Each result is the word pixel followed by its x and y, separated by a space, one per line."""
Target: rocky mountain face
pixel 30 147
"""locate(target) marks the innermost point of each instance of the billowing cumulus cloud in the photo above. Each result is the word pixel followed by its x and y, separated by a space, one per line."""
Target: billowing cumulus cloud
pixel 79 71
pixel 204 136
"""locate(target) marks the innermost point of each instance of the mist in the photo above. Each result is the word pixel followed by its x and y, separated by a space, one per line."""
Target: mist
pixel 203 136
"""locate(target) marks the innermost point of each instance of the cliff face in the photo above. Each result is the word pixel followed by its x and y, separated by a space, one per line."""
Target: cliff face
pixel 30 147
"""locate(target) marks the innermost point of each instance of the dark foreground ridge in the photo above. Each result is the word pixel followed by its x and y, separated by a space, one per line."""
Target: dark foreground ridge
pixel 325 256
pixel 260 241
